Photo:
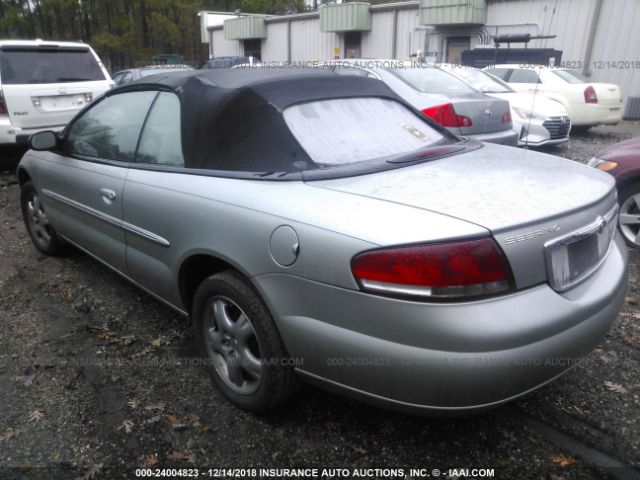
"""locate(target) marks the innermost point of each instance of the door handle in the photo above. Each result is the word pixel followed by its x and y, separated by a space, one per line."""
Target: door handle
pixel 108 194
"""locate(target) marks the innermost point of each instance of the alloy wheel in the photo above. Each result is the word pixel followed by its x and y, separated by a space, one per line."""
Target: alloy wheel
pixel 630 219
pixel 232 345
pixel 38 221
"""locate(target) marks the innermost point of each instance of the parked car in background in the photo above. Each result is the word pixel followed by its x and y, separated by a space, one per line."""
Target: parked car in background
pixel 44 84
pixel 229 62
pixel 132 74
pixel 440 96
pixel 537 119
pixel 318 226
pixel 588 103
pixel 623 162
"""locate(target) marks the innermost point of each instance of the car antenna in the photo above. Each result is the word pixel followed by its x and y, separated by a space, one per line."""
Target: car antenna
pixel 535 92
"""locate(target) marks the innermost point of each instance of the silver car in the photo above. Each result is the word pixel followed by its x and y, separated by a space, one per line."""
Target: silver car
pixel 441 96
pixel 318 227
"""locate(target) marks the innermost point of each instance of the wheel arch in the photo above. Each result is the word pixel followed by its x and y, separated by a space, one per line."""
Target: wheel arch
pixel 198 266
pixel 23 176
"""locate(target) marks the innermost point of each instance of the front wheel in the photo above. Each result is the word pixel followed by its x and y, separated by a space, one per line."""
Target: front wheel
pixel 629 220
pixel 36 220
pixel 240 343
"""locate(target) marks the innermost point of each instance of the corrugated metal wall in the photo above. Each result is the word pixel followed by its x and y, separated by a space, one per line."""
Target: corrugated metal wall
pixel 570 23
pixel 376 43
pixel 308 43
pixel 409 39
pixel 274 47
pixel 223 47
pixel 618 40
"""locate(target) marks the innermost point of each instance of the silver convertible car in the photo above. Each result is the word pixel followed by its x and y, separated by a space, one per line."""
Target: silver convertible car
pixel 316 226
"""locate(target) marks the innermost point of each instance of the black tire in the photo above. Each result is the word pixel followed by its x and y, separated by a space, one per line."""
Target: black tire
pixel 625 194
pixel 44 238
pixel 278 380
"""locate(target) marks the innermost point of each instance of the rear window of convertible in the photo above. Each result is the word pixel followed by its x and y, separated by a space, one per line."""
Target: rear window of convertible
pixel 344 131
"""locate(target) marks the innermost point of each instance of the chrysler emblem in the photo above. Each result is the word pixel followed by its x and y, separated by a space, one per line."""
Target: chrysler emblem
pixel 487 112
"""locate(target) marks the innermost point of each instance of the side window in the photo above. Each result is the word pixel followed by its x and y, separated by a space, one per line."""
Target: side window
pixel 161 141
pixel 110 129
pixel 524 76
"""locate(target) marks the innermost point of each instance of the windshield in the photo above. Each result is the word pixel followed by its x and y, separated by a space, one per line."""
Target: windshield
pixel 155 71
pixel 345 131
pixel 570 76
pixel 481 81
pixel 34 66
pixel 432 80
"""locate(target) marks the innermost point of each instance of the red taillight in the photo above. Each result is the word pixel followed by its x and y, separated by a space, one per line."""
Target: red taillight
pixel 452 270
pixel 3 105
pixel 590 95
pixel 506 118
pixel 447 116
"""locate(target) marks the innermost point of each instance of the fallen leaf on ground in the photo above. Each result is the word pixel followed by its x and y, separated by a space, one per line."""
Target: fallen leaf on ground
pixel 615 387
pixel 25 380
pixel 127 425
pixel 157 407
pixel 563 460
pixel 183 456
pixel 12 434
pixel 162 340
pixel 35 416
pixel 144 351
pixel 134 403
pixel 148 460
pixel 92 472
pixel 155 419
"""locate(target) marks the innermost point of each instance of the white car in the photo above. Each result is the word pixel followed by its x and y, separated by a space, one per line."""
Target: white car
pixel 538 119
pixel 588 103
pixel 44 84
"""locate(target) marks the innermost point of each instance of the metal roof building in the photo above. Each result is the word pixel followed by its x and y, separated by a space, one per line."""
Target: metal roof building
pixel 598 37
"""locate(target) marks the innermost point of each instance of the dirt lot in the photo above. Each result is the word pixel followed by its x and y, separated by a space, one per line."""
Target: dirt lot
pixel 97 378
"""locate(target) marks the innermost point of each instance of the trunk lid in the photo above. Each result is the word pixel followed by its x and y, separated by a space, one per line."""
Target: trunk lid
pixel 35 106
pixel 485 112
pixel 523 198
pixel 609 95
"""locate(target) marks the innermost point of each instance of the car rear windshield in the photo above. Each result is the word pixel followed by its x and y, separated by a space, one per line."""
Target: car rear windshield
pixel 570 76
pixel 481 81
pixel 432 80
pixel 346 131
pixel 35 66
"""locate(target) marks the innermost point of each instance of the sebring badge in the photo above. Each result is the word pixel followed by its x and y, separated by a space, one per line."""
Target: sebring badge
pixel 532 234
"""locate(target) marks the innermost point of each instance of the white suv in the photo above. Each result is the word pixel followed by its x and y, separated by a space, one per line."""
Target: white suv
pixel 44 84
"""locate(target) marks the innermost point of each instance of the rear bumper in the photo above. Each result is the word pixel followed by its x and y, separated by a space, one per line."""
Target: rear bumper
pixel 443 357
pixel 595 114
pixel 10 135
pixel 503 137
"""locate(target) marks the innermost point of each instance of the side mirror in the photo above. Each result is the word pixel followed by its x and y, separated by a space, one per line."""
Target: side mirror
pixel 43 141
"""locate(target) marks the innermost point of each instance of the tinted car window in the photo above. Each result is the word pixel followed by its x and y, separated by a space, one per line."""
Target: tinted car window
pixel 501 73
pixel 432 80
pixel 353 71
pixel 340 132
pixel 481 81
pixel 35 66
pixel 111 128
pixel 161 140
pixel 570 76
pixel 524 76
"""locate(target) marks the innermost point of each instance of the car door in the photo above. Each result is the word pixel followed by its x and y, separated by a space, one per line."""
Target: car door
pixel 83 182
pixel 154 185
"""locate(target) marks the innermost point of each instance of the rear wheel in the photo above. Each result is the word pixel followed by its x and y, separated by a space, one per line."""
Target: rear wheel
pixel 42 234
pixel 629 220
pixel 239 340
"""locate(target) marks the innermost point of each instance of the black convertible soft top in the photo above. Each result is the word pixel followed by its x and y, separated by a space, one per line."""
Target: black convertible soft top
pixel 232 118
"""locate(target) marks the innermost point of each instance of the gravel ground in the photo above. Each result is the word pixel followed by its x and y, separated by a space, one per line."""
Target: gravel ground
pixel 97 378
